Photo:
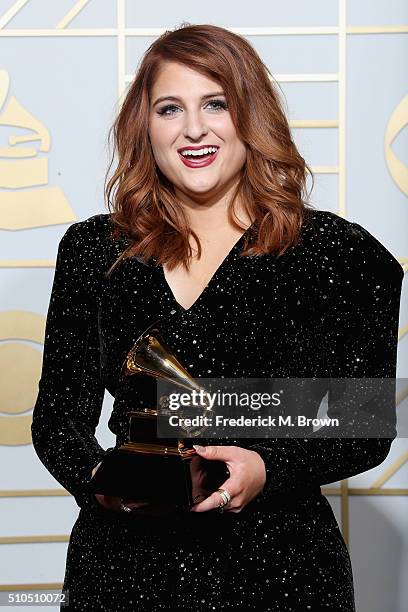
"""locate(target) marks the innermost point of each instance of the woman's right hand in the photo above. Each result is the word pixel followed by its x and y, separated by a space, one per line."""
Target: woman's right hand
pixel 111 502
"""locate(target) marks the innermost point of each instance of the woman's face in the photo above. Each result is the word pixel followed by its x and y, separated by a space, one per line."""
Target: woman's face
pixel 199 116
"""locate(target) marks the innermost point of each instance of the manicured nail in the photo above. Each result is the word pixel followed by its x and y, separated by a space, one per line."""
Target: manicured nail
pixel 200 449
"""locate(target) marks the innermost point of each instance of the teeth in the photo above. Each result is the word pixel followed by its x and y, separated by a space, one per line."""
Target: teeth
pixel 199 152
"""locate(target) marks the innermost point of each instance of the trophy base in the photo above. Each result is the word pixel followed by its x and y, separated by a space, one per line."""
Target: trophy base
pixel 158 475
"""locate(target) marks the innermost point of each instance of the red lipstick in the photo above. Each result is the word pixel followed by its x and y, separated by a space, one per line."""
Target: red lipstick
pixel 193 162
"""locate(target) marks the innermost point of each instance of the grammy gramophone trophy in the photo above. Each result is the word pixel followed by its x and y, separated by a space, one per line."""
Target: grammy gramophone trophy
pixel 146 468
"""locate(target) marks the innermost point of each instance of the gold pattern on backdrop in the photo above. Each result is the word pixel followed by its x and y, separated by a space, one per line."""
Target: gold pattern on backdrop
pixel 23 202
pixel 397 121
pixel 20 364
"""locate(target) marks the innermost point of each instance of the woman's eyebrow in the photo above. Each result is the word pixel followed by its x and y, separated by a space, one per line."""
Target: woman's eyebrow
pixel 176 99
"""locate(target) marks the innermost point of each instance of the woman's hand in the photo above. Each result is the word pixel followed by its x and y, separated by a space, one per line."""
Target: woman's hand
pixel 246 481
pixel 112 502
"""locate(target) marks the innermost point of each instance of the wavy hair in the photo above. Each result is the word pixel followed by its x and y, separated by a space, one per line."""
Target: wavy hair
pixel 272 185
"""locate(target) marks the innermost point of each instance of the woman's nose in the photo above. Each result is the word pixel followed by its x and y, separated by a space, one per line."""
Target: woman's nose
pixel 194 126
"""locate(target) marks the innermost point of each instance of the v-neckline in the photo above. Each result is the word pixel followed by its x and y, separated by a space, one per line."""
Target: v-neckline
pixel 211 281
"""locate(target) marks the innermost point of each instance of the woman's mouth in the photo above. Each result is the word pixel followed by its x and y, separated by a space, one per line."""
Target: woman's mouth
pixel 198 161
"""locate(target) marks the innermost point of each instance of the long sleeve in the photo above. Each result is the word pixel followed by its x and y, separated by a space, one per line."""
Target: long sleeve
pixel 70 396
pixel 359 335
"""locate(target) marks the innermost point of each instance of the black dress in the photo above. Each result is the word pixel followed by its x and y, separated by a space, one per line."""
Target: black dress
pixel 328 307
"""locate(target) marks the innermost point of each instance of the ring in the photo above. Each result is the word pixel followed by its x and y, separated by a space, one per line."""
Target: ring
pixel 225 496
pixel 124 507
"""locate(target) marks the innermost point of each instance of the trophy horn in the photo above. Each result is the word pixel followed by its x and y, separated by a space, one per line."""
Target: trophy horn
pixel 150 355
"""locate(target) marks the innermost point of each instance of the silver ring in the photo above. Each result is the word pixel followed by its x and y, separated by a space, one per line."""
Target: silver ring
pixel 225 496
pixel 124 507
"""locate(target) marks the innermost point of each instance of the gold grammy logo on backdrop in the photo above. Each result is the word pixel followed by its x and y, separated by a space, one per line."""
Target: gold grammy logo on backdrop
pixel 397 121
pixel 23 202
pixel 26 201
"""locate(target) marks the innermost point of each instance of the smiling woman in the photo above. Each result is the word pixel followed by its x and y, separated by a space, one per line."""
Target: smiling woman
pixel 197 118
pixel 189 94
pixel 275 289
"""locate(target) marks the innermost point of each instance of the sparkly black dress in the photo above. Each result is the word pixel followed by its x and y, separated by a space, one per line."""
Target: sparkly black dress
pixel 328 307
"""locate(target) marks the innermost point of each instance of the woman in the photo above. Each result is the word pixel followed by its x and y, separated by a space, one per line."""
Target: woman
pixel 287 291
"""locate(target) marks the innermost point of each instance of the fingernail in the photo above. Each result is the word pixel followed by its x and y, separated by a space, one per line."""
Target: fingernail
pixel 200 449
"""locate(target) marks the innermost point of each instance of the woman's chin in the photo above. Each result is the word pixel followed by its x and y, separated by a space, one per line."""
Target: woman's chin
pixel 201 187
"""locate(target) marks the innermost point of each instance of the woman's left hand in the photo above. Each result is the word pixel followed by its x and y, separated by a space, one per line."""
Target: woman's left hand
pixel 246 481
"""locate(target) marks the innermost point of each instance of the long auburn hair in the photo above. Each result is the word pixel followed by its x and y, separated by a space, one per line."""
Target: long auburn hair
pixel 272 185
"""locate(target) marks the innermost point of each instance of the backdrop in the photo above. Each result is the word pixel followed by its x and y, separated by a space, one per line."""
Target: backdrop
pixel 64 66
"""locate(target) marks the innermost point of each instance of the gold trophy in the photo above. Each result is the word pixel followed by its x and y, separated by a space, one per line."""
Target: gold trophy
pixel 162 471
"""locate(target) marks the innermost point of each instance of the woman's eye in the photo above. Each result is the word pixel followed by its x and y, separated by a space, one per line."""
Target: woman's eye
pixel 168 109
pixel 165 109
pixel 219 103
